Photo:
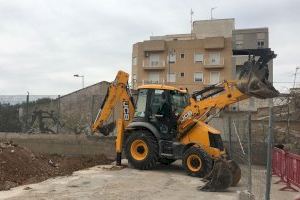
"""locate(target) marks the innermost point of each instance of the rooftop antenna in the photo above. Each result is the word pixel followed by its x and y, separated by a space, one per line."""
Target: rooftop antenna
pixel 211 12
pixel 192 12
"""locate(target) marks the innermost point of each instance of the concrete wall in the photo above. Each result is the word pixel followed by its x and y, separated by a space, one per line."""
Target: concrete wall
pixel 66 144
pixel 75 111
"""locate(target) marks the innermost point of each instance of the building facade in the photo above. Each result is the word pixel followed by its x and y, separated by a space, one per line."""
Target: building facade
pixel 198 59
pixel 190 61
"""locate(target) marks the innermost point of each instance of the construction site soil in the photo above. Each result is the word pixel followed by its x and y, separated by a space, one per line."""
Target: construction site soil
pixel 18 165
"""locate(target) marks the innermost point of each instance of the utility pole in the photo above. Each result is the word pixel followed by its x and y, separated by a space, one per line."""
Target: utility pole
pixel 295 76
pixel 171 52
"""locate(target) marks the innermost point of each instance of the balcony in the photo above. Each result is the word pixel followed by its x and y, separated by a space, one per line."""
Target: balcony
pixel 152 82
pixel 211 64
pixel 154 65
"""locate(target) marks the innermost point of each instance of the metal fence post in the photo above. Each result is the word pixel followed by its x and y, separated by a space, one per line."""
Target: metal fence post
pixel 269 156
pixel 249 154
pixel 229 135
pixel 27 112
pixel 92 109
pixel 58 114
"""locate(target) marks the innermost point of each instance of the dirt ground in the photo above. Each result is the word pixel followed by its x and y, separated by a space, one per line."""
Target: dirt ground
pixel 109 183
pixel 27 174
pixel 19 166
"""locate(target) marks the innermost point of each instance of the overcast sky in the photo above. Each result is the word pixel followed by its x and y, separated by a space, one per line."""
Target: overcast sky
pixel 44 43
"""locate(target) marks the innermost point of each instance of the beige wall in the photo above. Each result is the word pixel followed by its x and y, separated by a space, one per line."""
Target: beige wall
pixel 184 65
pixel 213 28
pixel 63 144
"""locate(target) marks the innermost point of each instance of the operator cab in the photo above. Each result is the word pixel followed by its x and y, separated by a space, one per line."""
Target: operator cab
pixel 161 106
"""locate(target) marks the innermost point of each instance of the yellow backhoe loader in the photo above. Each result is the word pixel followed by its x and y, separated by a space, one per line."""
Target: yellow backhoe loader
pixel 166 124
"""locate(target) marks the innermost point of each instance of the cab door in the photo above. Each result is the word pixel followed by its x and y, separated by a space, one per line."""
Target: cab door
pixel 160 110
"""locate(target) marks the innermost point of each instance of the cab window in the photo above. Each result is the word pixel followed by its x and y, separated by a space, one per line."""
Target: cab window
pixel 156 101
pixel 141 104
pixel 179 101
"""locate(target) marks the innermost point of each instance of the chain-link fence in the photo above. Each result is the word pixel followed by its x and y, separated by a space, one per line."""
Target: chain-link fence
pixel 249 136
pixel 246 142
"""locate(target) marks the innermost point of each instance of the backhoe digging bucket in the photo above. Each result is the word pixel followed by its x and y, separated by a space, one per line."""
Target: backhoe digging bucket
pixel 254 74
pixel 223 175
pixel 108 128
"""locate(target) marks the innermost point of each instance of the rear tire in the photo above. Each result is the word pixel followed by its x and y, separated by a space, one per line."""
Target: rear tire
pixel 197 162
pixel 141 150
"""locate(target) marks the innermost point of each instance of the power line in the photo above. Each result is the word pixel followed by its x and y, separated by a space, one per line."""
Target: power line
pixel 284 82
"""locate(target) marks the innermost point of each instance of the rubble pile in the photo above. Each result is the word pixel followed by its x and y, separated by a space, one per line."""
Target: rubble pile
pixel 18 165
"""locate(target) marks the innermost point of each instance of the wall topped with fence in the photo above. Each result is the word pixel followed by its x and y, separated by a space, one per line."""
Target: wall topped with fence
pixel 51 114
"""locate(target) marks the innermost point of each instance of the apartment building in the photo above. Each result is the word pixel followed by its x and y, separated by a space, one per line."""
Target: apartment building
pixel 189 61
pixel 198 59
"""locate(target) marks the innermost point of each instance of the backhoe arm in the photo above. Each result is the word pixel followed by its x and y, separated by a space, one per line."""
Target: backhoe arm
pixel 118 92
pixel 252 81
pixel 229 95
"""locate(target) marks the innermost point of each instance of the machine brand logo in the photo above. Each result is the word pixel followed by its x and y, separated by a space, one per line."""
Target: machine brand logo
pixel 126 110
pixel 186 116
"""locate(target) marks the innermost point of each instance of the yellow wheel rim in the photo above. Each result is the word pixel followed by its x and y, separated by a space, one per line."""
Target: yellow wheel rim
pixel 194 162
pixel 139 150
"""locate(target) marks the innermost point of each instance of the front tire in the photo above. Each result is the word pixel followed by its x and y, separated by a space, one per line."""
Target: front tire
pixel 197 162
pixel 141 150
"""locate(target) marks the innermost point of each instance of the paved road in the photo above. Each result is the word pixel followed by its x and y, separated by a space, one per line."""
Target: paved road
pixel 102 183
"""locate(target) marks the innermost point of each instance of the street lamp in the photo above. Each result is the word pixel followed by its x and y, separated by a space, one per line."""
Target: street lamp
pixel 211 13
pixel 82 79
pixel 297 68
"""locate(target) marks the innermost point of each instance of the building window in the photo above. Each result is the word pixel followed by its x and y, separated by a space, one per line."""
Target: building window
pixel 214 77
pixel 198 77
pixel 214 59
pixel 182 55
pixel 171 78
pixel 154 60
pixel 134 61
pixel 182 74
pixel 260 43
pixel 153 77
pixel 198 57
pixel 172 57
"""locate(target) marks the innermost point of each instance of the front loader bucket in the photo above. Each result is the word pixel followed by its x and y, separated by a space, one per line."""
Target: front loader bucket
pixel 254 74
pixel 223 175
pixel 253 81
